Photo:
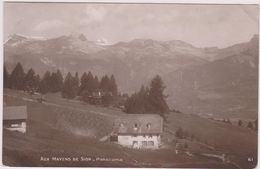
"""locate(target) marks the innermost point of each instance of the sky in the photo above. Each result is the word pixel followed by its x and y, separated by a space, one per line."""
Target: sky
pixel 199 25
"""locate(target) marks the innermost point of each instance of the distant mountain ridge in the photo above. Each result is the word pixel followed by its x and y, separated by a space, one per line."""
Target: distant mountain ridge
pixel 224 87
pixel 135 62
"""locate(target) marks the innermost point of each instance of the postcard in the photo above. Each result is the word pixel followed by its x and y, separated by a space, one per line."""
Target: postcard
pixel 130 85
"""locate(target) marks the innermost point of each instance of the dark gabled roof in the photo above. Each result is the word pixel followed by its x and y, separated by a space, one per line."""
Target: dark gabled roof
pixel 15 113
pixel 138 124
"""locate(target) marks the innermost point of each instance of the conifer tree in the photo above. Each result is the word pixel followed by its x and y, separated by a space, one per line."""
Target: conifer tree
pixel 143 99
pixel 156 98
pixel 30 80
pixel 67 91
pixel 138 102
pixel 45 84
pixel 240 123
pixel 75 86
pixel 96 83
pixel 112 85
pixel 90 87
pixel 37 82
pixel 83 83
pixel 250 125
pixel 6 78
pixel 131 104
pixel 56 81
pixel 17 77
pixel 149 100
pixel 59 80
pixel 104 83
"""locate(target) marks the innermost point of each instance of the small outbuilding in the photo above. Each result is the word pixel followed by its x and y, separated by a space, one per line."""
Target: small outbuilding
pixel 140 131
pixel 14 118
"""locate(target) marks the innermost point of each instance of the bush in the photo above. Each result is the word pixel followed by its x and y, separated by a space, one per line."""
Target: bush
pixel 240 123
pixel 250 125
pixel 181 134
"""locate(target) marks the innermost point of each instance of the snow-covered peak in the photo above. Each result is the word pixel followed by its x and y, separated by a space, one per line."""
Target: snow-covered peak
pixel 102 42
pixel 16 39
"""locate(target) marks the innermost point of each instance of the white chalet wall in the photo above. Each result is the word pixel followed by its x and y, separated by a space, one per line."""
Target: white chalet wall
pixel 141 141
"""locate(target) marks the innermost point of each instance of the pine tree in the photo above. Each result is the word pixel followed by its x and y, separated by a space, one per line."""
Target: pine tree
pixel 96 83
pixel 149 100
pixel 37 82
pixel 67 91
pixel 143 99
pixel 104 83
pixel 58 81
pixel 30 80
pixel 17 77
pixel 75 86
pixel 6 78
pixel 131 104
pixel 240 123
pixel 83 83
pixel 45 83
pixel 250 125
pixel 112 85
pixel 156 98
pixel 180 133
pixel 90 87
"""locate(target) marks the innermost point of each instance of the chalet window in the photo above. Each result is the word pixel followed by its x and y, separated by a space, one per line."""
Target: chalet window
pixel 150 143
pixel 135 126
pixel 15 125
pixel 144 143
pixel 134 135
pixel 114 138
pixel 135 143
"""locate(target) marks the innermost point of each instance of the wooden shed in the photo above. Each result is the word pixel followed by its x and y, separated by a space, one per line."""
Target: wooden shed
pixel 14 118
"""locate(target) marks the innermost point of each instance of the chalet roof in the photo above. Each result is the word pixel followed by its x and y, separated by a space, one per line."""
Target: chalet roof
pixel 138 124
pixel 15 113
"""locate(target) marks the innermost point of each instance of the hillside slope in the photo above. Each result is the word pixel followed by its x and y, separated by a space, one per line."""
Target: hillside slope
pixel 227 87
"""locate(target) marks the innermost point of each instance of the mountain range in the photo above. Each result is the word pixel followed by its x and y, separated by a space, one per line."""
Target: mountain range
pixel 208 81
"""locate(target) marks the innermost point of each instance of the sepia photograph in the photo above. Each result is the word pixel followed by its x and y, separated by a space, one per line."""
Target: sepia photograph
pixel 151 85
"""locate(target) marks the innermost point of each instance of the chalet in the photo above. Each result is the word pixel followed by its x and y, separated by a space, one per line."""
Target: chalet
pixel 138 131
pixel 96 97
pixel 14 118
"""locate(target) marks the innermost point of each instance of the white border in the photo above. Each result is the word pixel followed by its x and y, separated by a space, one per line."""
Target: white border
pixel 113 1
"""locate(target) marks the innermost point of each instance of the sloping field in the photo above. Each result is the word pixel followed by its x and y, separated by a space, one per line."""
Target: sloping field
pixel 239 143
pixel 61 127
pixel 27 150
pixel 81 119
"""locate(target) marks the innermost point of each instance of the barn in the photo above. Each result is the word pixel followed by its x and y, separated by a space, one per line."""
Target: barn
pixel 14 118
pixel 140 131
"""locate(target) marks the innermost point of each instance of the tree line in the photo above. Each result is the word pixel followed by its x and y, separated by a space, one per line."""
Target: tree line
pixel 52 82
pixel 149 99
